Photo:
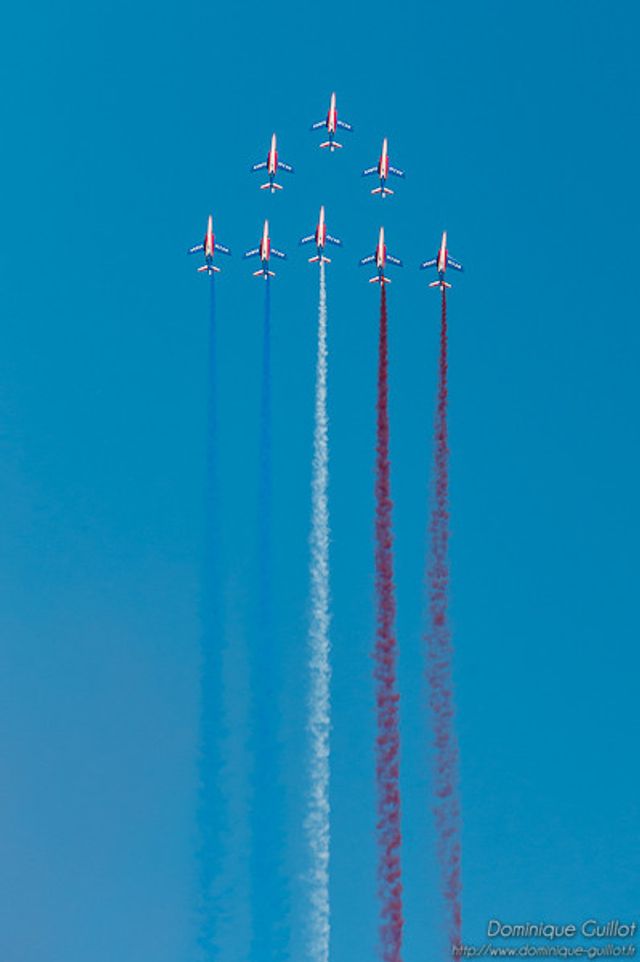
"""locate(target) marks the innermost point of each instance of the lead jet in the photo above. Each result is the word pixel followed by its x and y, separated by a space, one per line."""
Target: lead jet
pixel 264 251
pixel 383 168
pixel 441 262
pixel 209 246
pixel 380 256
pixel 331 123
pixel 322 239
pixel 272 164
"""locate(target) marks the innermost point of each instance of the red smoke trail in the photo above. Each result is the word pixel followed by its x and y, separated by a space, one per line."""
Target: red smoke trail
pixel 388 741
pixel 440 651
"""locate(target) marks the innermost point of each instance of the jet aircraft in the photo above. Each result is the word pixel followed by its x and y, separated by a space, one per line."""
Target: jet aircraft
pixel 383 168
pixel 264 252
pixel 331 123
pixel 380 256
pixel 321 239
pixel 209 246
pixel 441 262
pixel 272 164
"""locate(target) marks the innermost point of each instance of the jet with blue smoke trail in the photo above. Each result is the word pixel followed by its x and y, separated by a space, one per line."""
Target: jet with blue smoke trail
pixel 264 252
pixel 208 246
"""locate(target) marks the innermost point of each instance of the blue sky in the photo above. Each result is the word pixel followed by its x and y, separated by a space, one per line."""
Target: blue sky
pixel 124 126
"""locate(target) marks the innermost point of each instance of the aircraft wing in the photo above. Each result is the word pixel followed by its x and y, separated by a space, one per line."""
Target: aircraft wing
pixel 221 248
pixel 196 249
pixel 287 167
pixel 334 240
pixel 396 172
pixel 261 166
pixel 367 260
pixel 321 123
pixel 307 240
pixel 370 170
pixel 341 123
pixel 278 254
pixel 456 266
pixel 431 263
pixel 394 260
pixel 252 253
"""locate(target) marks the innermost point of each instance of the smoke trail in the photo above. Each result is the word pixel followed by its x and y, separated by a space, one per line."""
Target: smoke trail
pixel 212 814
pixel 388 740
pixel 269 895
pixel 317 821
pixel 440 651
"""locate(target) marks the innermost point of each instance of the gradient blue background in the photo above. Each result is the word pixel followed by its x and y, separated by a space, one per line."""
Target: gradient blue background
pixel 123 126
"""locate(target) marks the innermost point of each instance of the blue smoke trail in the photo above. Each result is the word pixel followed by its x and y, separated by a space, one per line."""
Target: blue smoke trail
pixel 269 896
pixel 212 815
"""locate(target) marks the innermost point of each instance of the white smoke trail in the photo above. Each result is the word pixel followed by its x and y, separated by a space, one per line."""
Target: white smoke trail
pixel 319 722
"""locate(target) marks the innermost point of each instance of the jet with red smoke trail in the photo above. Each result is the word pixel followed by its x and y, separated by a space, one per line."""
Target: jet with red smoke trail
pixel 332 123
pixel 383 168
pixel 272 165
pixel 321 239
pixel 380 256
pixel 208 246
pixel 264 251
pixel 441 262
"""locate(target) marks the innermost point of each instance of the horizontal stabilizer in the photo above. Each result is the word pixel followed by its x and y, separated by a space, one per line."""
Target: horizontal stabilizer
pixel 383 191
pixel 320 259
pixel 380 279
pixel 273 187
pixel 331 144
pixel 209 268
pixel 439 284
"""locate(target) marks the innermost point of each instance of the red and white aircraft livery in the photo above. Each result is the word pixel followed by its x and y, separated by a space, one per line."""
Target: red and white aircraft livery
pixel 264 252
pixel 380 257
pixel 331 123
pixel 209 246
pixel 322 239
pixel 272 164
pixel 441 262
pixel 383 168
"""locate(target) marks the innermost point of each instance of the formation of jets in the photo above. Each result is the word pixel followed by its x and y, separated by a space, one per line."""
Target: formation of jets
pixel 381 257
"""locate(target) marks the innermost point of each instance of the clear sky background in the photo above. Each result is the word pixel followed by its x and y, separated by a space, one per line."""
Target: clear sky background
pixel 124 125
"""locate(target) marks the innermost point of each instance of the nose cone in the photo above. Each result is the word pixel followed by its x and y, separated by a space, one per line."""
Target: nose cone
pixel 444 238
pixel 210 224
pixel 381 239
pixel 385 144
pixel 273 141
pixel 266 227
pixel 322 213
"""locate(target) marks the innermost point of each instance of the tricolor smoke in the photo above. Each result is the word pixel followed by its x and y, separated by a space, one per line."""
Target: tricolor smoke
pixel 439 649
pixel 388 741
pixel 318 815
